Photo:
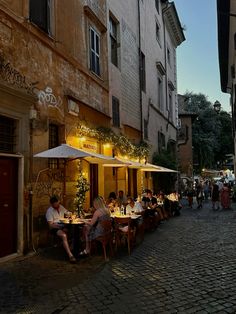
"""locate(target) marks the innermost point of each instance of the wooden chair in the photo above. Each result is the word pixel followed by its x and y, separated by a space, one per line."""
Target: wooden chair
pixel 123 229
pixel 107 237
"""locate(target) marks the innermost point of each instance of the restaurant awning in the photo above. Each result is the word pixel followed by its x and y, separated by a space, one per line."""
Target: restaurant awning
pixel 156 168
pixel 147 166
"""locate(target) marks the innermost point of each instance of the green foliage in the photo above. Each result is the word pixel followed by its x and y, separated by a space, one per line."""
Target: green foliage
pixel 211 133
pixel 164 159
pixel 122 143
pixel 82 187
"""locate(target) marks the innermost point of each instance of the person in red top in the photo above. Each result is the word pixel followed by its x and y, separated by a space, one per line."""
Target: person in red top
pixel 53 215
pixel 225 196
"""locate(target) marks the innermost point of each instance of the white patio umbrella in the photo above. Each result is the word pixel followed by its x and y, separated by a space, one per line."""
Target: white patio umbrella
pixel 63 151
pixel 67 152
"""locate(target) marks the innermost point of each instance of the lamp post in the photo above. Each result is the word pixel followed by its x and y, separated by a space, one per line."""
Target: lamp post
pixel 217 106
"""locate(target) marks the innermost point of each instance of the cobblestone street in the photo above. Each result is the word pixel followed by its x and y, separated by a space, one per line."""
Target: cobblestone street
pixel 186 266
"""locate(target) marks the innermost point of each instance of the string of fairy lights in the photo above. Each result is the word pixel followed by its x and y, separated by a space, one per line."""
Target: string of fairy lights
pixel 122 143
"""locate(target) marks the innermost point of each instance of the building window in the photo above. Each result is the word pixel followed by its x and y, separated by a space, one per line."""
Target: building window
pixel 53 142
pixel 157 5
pixel 170 109
pixel 94 51
pixel 113 41
pixel 145 129
pixel 40 14
pixel 157 32
pixel 161 142
pixel 115 112
pixel 168 55
pixel 143 73
pixel 7 135
pixel 160 93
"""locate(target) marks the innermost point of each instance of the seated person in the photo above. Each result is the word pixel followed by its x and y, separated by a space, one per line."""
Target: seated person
pixel 53 215
pixel 133 207
pixel 161 205
pixel 175 206
pixel 151 203
pixel 111 204
pixel 121 199
pixel 112 195
pixel 93 228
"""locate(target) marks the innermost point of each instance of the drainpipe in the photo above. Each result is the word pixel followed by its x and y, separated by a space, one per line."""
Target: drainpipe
pixel 164 34
pixel 140 72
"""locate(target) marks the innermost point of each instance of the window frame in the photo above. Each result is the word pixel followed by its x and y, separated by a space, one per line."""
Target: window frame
pixel 115 112
pixel 143 71
pixel 157 5
pixel 113 40
pixel 158 32
pixel 43 25
pixel 160 91
pixel 96 52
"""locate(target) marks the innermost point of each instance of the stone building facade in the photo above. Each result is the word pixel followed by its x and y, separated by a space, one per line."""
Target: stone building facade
pixel 143 71
pixel 227 59
pixel 58 85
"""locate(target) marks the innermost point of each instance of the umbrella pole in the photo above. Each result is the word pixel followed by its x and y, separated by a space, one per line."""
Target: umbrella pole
pixel 64 182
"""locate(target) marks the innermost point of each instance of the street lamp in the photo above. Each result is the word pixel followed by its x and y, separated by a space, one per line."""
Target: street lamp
pixel 217 106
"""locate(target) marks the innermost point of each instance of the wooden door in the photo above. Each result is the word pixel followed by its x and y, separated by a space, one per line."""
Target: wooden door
pixel 8 205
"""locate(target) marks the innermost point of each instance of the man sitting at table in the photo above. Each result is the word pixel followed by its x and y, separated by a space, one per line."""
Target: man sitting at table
pixel 152 208
pixel 53 215
pixel 133 207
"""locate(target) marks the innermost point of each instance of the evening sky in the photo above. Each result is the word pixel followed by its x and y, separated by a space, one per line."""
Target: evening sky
pixel 197 57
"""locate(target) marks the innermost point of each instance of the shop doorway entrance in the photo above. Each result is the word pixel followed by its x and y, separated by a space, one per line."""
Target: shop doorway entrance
pixel 8 205
pixel 132 182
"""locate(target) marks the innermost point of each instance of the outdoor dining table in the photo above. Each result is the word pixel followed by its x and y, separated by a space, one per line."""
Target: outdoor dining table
pixel 75 227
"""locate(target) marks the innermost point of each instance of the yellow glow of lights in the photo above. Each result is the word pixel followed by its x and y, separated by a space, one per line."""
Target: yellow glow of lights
pixel 107 145
pixel 82 139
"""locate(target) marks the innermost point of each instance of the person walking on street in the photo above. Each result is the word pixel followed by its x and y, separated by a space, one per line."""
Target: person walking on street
pixel 199 195
pixel 215 196
pixel 225 196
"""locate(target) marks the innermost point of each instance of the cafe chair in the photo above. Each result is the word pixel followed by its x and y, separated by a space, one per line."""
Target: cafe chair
pixel 124 231
pixel 107 237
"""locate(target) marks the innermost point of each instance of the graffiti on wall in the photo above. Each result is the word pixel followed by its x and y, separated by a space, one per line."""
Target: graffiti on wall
pixel 14 77
pixel 47 99
pixel 48 183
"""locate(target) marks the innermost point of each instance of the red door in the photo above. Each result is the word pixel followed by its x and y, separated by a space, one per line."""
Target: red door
pixel 8 205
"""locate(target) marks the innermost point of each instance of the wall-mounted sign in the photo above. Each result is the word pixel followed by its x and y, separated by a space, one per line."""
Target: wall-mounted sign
pixel 73 107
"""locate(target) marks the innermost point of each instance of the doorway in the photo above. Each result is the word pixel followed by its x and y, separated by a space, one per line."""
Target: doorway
pixel 8 205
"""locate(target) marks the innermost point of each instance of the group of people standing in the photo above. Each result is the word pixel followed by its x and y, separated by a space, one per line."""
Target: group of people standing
pixel 217 191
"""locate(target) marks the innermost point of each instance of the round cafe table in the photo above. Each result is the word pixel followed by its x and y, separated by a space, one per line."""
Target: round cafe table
pixel 75 228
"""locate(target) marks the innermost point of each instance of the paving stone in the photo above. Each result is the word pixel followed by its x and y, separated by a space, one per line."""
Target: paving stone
pixel 187 265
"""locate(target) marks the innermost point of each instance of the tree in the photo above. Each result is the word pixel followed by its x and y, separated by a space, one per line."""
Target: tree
pixel 212 132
